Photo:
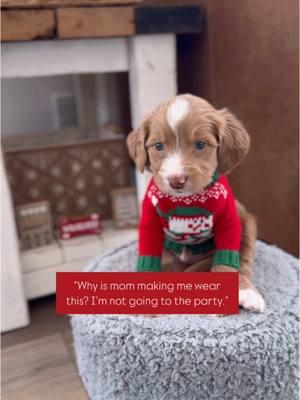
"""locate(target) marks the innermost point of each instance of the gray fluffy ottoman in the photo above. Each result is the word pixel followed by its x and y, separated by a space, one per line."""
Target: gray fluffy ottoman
pixel 247 356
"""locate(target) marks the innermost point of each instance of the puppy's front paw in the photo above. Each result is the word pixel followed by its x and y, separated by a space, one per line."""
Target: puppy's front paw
pixel 251 300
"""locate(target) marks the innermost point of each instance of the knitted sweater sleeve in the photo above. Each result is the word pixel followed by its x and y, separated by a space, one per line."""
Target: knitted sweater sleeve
pixel 227 233
pixel 151 238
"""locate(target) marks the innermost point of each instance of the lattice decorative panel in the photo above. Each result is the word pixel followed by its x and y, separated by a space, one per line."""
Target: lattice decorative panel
pixel 75 178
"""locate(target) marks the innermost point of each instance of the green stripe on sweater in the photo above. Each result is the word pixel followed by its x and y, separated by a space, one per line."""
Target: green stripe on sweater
pixel 149 263
pixel 200 248
pixel 227 257
pixel 183 212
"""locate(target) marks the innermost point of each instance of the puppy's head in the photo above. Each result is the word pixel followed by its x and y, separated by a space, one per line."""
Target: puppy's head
pixel 184 141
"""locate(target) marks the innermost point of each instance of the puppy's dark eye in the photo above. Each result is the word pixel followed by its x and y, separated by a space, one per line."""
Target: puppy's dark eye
pixel 159 146
pixel 200 145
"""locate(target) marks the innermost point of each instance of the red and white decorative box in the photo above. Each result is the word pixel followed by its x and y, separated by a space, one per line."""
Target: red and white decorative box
pixel 79 226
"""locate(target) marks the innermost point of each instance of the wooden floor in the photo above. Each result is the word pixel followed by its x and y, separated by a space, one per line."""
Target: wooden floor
pixel 38 362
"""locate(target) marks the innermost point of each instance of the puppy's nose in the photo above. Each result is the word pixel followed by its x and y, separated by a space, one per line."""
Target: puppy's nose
pixel 177 181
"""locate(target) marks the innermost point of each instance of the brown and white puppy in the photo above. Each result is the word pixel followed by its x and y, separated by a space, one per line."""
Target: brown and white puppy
pixel 179 170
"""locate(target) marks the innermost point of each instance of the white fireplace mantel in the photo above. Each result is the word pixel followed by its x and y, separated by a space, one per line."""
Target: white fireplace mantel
pixel 151 63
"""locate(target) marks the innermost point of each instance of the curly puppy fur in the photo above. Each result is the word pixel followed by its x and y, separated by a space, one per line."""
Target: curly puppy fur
pixel 178 122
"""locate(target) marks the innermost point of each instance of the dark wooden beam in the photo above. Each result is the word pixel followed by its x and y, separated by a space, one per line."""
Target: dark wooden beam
pixel 164 19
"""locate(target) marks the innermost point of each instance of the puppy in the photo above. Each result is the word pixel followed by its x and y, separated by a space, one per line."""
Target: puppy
pixel 190 218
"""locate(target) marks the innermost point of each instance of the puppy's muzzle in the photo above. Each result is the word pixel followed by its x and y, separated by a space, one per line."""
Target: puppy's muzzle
pixel 177 181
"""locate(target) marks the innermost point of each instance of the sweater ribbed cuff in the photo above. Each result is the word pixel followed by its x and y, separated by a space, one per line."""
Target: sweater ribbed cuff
pixel 149 263
pixel 227 257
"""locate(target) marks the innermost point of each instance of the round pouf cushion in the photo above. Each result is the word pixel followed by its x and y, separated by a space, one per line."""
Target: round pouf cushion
pixel 247 356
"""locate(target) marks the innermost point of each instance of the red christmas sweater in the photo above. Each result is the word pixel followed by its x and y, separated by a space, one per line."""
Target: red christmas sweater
pixel 202 222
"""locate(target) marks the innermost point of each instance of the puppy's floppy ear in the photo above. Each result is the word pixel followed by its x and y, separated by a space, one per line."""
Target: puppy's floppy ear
pixel 234 141
pixel 136 144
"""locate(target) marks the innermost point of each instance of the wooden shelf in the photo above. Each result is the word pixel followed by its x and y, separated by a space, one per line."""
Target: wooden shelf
pixel 92 19
pixel 40 265
pixel 62 3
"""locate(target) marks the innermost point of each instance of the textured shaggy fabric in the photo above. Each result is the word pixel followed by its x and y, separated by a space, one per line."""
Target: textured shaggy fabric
pixel 247 356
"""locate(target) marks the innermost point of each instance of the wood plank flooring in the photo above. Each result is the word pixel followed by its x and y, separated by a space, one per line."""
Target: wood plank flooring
pixel 38 362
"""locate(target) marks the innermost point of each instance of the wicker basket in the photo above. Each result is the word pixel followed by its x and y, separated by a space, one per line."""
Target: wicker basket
pixel 75 171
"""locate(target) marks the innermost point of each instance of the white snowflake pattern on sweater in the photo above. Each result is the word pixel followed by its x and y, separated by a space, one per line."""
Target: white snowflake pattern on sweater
pixel 213 191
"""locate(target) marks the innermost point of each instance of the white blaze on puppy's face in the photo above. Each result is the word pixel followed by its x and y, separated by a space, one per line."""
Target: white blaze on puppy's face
pixel 172 165
pixel 176 112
